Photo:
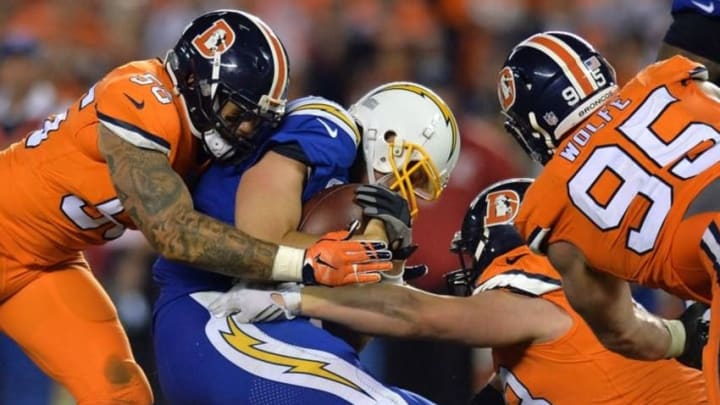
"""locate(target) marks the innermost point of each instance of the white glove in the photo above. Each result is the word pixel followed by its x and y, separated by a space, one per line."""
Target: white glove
pixel 254 304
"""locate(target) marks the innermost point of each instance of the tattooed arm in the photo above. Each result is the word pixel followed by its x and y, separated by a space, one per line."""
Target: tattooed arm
pixel 159 203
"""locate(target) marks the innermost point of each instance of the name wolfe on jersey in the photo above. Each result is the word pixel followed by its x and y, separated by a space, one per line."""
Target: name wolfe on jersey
pixel 582 136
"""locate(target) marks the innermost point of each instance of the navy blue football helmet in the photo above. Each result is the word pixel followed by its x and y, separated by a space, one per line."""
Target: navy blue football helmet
pixel 228 56
pixel 487 232
pixel 548 85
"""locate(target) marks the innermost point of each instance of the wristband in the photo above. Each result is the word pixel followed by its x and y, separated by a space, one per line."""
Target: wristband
pixel 288 264
pixel 392 278
pixel 677 337
pixel 292 303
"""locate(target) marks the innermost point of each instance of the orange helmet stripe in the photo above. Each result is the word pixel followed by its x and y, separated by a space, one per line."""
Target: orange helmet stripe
pixel 567 59
pixel 278 52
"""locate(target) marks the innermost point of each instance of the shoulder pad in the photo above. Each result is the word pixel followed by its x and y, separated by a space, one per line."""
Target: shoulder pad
pixel 326 109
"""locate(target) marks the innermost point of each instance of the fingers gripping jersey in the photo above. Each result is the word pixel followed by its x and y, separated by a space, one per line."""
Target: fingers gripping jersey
pixel 575 368
pixel 622 180
pixel 57 197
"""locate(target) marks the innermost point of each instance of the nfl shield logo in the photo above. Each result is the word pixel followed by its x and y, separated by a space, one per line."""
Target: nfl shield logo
pixel 551 118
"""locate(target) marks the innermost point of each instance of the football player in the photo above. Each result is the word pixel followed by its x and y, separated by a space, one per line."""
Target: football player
pixel 692 32
pixel 615 200
pixel 515 304
pixel 120 158
pixel 410 142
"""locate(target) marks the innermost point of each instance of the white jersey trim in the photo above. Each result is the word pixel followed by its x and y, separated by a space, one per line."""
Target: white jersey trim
pixel 135 138
pixel 534 284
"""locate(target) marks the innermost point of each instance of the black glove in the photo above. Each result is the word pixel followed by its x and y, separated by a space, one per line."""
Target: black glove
pixel 390 207
pixel 488 396
pixel 696 335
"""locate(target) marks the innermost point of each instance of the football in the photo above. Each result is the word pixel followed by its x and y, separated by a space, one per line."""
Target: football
pixel 332 209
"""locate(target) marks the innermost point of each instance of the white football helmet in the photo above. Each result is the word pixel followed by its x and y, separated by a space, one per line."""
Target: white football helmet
pixel 410 139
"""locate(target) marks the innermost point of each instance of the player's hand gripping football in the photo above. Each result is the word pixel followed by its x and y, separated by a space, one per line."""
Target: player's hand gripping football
pixel 390 207
pixel 696 335
pixel 337 260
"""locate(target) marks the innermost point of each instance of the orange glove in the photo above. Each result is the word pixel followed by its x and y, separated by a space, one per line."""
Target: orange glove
pixel 335 261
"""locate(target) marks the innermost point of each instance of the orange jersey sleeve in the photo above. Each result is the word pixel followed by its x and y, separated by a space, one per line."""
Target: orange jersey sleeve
pixel 57 197
pixel 575 368
pixel 621 181
pixel 135 104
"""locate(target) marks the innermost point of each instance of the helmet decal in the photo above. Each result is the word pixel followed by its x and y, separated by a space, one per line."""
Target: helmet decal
pixel 218 38
pixel 502 207
pixel 506 88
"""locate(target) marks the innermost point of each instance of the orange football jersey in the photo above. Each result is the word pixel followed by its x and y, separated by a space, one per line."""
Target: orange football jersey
pixel 61 198
pixel 575 368
pixel 620 183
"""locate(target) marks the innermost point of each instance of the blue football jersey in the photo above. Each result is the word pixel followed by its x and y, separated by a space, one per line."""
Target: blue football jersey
pixel 206 360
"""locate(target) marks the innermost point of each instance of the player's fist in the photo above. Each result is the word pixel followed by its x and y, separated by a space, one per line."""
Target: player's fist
pixel 389 206
pixel 334 261
pixel 696 335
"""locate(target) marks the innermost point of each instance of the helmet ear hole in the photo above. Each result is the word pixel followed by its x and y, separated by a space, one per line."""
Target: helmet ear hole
pixel 389 136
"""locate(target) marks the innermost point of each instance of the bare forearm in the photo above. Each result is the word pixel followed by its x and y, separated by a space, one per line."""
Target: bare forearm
pixel 620 326
pixel 160 205
pixel 377 309
pixel 605 302
pixel 645 338
pixel 211 245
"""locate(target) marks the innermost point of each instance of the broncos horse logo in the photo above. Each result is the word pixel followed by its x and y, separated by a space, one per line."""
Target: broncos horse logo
pixel 502 207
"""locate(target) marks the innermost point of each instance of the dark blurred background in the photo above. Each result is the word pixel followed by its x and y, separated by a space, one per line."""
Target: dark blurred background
pixel 51 51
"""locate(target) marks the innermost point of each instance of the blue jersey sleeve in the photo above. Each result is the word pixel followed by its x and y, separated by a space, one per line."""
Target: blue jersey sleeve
pixel 328 137
pixel 706 7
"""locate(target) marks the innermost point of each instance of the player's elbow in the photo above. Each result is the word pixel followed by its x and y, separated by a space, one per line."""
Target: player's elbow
pixel 159 242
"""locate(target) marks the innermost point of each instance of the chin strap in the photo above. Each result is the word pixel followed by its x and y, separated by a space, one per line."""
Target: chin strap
pixel 216 146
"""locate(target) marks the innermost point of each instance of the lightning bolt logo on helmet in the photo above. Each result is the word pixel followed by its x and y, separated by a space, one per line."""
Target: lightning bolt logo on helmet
pixel 506 88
